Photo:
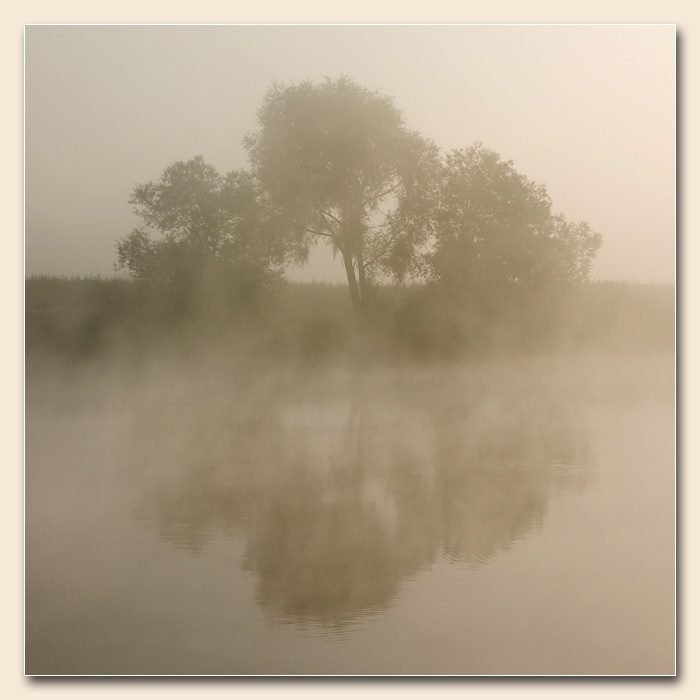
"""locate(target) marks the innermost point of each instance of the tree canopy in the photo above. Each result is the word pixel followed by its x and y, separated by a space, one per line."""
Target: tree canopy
pixel 495 226
pixel 335 162
pixel 340 162
pixel 199 225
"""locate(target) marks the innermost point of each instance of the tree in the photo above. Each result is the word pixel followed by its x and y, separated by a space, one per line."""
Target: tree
pixel 494 227
pixel 338 159
pixel 201 228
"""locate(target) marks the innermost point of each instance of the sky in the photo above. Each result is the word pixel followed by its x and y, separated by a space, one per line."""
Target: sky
pixel 588 111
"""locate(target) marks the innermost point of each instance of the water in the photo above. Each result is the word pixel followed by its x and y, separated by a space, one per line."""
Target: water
pixel 497 518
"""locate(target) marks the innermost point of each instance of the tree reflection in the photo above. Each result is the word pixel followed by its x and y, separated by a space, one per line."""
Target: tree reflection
pixel 343 496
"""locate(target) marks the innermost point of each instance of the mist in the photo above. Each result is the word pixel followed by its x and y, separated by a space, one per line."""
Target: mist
pixel 196 513
pixel 353 366
pixel 587 110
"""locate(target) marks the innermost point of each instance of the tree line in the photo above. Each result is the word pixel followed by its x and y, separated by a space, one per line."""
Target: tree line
pixel 334 161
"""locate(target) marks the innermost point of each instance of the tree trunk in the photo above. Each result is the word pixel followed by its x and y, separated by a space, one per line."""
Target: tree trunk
pixel 353 234
pixel 362 281
pixel 352 282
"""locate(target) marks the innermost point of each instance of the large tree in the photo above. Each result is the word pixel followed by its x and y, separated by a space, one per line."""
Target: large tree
pixel 495 227
pixel 201 227
pixel 339 160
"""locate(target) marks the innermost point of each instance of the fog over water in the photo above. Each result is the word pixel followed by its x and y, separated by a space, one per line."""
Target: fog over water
pixel 202 517
pixel 458 458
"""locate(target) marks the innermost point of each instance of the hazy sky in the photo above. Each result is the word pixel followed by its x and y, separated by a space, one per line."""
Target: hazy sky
pixel 589 111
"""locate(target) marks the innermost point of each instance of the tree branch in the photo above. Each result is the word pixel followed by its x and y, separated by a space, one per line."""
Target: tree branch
pixel 335 218
pixel 382 194
pixel 385 247
pixel 319 233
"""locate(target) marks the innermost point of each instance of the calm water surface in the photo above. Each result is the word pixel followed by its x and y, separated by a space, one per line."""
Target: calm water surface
pixel 496 518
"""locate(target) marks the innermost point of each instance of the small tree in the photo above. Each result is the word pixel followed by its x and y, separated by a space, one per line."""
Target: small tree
pixel 494 227
pixel 201 229
pixel 339 161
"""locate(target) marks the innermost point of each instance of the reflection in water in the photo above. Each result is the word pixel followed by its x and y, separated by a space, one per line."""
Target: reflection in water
pixel 344 488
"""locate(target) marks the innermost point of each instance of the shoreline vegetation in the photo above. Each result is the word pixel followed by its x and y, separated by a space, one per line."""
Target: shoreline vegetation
pixel 449 256
pixel 78 319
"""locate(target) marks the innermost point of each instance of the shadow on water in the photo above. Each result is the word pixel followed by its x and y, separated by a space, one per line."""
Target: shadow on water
pixel 345 486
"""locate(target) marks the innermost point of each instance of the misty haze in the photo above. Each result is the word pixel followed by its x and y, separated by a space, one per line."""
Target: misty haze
pixel 350 350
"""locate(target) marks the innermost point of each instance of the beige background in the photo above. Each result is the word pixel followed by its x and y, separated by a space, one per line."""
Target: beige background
pixel 14 16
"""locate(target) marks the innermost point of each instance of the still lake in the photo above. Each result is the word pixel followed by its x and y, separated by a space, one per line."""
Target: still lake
pixel 501 517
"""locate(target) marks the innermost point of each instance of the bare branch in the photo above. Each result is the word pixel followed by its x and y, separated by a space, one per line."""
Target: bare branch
pixel 385 247
pixel 382 194
pixel 335 218
pixel 319 233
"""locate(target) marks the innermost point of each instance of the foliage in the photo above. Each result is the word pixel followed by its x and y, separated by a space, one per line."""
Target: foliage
pixel 334 161
pixel 495 227
pixel 206 233
pixel 339 161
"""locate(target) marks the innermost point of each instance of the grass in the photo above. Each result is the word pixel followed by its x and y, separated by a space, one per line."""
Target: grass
pixel 82 317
